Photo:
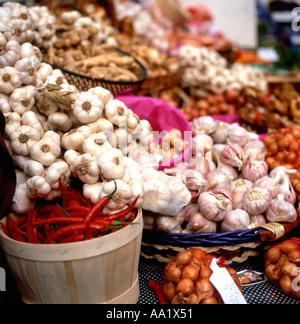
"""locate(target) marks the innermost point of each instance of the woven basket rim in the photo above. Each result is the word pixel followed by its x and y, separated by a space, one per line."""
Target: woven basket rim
pixel 87 77
pixel 203 239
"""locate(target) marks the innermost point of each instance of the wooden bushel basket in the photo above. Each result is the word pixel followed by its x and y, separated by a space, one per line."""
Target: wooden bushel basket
pixel 99 271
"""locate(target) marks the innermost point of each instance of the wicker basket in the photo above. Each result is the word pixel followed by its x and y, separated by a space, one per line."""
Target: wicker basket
pixel 235 247
pixel 85 82
pixel 155 84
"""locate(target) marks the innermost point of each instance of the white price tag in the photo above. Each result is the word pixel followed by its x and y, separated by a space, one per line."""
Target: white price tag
pixel 223 282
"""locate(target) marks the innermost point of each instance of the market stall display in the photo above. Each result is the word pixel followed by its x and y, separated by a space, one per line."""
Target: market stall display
pixel 105 174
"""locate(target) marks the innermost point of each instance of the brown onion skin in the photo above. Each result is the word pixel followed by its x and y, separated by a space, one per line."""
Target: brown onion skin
pixel 194 286
pixel 281 264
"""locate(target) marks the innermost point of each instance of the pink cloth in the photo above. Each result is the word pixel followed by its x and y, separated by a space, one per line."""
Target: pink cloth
pixel 162 117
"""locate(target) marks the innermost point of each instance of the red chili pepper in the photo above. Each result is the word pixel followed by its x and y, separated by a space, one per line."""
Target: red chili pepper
pixel 12 229
pixel 4 229
pixel 31 229
pixel 73 238
pixel 124 212
pixel 51 209
pixel 157 288
pixel 99 206
pixel 75 229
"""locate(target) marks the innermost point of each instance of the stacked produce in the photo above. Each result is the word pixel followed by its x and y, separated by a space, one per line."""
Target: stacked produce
pixel 186 279
pixel 35 24
pixel 230 184
pixel 282 262
pixel 283 150
pixel 269 112
pixel 55 132
pixel 208 69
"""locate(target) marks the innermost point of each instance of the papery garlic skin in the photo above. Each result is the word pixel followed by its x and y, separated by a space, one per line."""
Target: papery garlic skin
pixel 88 108
pixel 212 207
pixel 92 191
pixel 45 151
pixel 85 167
pixel 10 79
pixel 281 211
pixel 257 201
pixel 204 125
pixel 37 187
pixel 111 164
pixel 156 196
pixel 237 135
pixel 117 112
pixel 22 99
pixel 256 221
pixel 23 138
pixel 233 154
pixel 59 170
pixel 254 170
pixel 169 224
pixel 235 220
pixel 239 188
pixel 195 181
pixel 34 168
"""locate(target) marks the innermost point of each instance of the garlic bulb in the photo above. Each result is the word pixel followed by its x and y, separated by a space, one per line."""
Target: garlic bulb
pixel 239 188
pixel 33 168
pixel 27 70
pixel 255 150
pixel 103 94
pixel 254 170
pixel 233 155
pixel 4 104
pixel 22 99
pixel 92 191
pixel 201 144
pixel 37 187
pixel 10 54
pixel 256 221
pixel 169 224
pixel 220 135
pixel 97 144
pixel 58 170
pixel 88 108
pixel 59 122
pixel 235 220
pixel 23 138
pixel 256 201
pixel 10 79
pixel 180 196
pixel 199 224
pixel 12 122
pixel 85 167
pixel 204 125
pixel 74 139
pixel 214 205
pixel 31 119
pixel 117 113
pixel 157 196
pixel 112 165
pixel 45 151
pixel 219 180
pixel 237 135
pixel 122 196
pixel 195 181
pixel 281 211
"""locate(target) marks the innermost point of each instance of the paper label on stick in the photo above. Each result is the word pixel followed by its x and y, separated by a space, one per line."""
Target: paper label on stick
pixel 223 282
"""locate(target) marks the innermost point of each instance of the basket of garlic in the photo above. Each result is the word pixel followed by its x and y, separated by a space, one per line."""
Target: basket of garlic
pixel 236 204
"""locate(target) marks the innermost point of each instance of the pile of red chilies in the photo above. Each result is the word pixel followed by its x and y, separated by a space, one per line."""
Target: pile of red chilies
pixel 75 220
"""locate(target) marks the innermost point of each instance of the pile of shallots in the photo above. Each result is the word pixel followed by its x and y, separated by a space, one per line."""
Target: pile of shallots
pixel 231 187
